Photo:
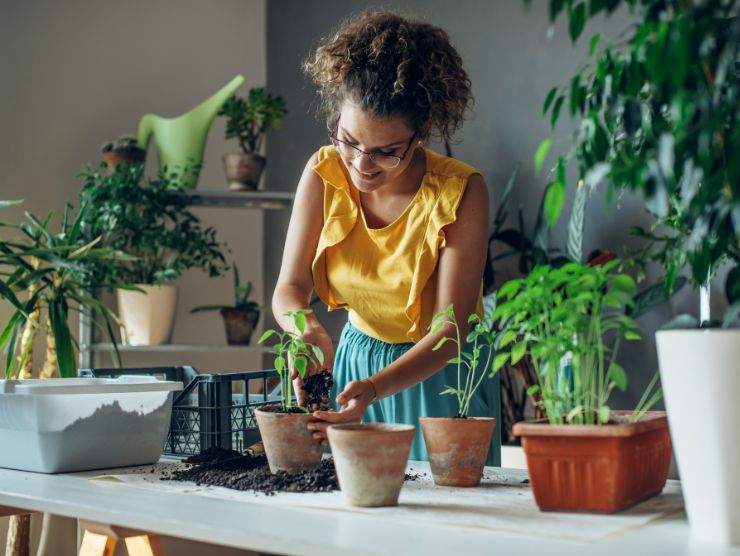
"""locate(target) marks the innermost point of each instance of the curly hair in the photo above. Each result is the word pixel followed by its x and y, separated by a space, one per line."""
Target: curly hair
pixel 393 66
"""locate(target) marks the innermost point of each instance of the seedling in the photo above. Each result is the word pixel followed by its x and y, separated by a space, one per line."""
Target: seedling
pixel 290 347
pixel 470 373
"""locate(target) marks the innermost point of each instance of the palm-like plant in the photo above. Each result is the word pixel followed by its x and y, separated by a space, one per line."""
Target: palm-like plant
pixel 46 272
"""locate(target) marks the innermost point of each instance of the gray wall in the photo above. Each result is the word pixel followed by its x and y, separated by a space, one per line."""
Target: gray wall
pixel 512 61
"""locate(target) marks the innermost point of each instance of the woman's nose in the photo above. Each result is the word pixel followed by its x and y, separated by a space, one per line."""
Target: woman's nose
pixel 364 164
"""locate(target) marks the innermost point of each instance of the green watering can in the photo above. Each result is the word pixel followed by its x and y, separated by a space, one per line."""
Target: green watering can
pixel 182 140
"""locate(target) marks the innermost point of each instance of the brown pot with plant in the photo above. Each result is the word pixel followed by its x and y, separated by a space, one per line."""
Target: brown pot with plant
pixel 248 121
pixel 289 445
pixel 458 445
pixel 124 150
pixel 241 318
pixel 584 456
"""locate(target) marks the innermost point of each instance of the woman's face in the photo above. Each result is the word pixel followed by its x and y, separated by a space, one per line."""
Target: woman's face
pixel 390 136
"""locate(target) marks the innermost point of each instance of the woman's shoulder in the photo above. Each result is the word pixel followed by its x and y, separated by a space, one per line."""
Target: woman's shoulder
pixel 447 166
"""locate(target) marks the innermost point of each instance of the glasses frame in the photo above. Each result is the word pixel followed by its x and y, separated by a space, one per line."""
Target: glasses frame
pixel 371 156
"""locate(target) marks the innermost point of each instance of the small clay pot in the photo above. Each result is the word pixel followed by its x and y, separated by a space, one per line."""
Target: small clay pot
pixel 457 448
pixel 239 325
pixel 132 156
pixel 370 460
pixel 289 445
pixel 597 468
pixel 243 170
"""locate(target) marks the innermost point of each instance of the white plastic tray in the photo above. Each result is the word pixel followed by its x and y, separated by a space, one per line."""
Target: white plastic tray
pixel 64 425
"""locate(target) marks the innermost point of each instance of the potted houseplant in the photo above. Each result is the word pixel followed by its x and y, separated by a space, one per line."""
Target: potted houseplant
pixel 584 456
pixel 458 445
pixel 124 150
pixel 148 219
pixel 248 120
pixel 658 114
pixel 240 318
pixel 289 445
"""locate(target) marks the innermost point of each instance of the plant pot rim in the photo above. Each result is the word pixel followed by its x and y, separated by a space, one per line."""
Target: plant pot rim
pixel 280 413
pixel 696 331
pixel 235 310
pixel 371 428
pixel 241 153
pixel 469 419
pixel 651 420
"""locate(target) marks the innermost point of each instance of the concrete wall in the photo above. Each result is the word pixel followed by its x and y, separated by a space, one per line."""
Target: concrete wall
pixel 74 74
pixel 512 60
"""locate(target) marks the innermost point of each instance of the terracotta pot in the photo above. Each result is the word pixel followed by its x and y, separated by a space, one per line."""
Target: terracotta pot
pixel 289 445
pixel 134 156
pixel 239 325
pixel 243 170
pixel 147 318
pixel 370 460
pixel 592 468
pixel 457 448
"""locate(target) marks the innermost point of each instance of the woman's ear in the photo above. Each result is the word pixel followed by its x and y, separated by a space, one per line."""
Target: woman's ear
pixel 424 133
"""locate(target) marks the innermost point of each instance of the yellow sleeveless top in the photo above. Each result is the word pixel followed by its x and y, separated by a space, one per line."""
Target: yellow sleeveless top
pixel 386 278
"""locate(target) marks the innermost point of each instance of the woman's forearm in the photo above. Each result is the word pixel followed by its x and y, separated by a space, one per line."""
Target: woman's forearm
pixel 288 297
pixel 417 364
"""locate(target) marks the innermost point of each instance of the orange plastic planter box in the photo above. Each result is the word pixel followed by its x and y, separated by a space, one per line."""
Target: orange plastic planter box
pixel 592 468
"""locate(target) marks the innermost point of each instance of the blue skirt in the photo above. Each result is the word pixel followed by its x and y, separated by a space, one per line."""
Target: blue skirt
pixel 359 356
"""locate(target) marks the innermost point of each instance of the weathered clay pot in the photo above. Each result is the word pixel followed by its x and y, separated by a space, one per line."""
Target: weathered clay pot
pixel 112 158
pixel 370 460
pixel 243 170
pixel 597 468
pixel 239 325
pixel 289 445
pixel 457 448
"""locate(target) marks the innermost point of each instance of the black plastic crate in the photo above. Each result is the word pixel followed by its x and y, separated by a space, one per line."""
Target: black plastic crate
pixel 212 410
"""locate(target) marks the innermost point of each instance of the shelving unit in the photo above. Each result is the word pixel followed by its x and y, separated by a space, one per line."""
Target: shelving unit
pixel 254 200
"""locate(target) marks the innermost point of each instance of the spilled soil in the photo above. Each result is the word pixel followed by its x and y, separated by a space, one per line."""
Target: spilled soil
pixel 249 471
pixel 317 388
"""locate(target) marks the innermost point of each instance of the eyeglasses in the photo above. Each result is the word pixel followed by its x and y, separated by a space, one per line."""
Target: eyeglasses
pixel 385 161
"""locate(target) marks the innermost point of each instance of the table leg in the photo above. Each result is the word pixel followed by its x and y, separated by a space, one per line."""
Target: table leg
pixel 144 545
pixel 95 544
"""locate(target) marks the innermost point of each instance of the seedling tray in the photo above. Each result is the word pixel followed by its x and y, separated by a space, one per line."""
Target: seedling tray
pixel 212 411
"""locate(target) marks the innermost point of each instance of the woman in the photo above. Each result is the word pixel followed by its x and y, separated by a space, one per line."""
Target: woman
pixel 384 227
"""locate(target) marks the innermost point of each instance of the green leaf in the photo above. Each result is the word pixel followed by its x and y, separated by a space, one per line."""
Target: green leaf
pixel 556 111
pixel 500 360
pixel 12 323
pixel 266 335
pixel 301 365
pixel 618 375
pixel 4 204
pixel 548 100
pixel 532 390
pixel 62 338
pixel 541 154
pixel 604 413
pixel 300 322
pixel 593 43
pixel 518 351
pixel 632 335
pixel 506 338
pixel 279 364
pixel 554 201
pixel 576 21
pixel 440 343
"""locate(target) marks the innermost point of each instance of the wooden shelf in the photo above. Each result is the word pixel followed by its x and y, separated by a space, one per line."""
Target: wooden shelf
pixel 170 348
pixel 264 200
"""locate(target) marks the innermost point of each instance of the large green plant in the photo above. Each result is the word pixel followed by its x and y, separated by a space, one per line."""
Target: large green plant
pixel 43 271
pixel 150 220
pixel 570 321
pixel 251 117
pixel 657 112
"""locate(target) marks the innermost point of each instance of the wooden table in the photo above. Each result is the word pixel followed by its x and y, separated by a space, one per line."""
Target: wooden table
pixel 115 509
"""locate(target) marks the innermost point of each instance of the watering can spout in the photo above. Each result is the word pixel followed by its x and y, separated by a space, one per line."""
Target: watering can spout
pixel 181 140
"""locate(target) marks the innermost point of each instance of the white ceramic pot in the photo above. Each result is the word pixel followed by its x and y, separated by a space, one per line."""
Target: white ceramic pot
pixel 700 373
pixel 148 317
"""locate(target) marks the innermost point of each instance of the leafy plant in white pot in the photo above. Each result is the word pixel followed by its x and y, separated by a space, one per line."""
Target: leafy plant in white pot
pixel 148 219
pixel 658 113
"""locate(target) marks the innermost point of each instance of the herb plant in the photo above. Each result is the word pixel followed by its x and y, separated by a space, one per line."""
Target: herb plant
pixel 289 349
pixel 251 117
pixel 53 273
pixel 570 321
pixel 470 372
pixel 150 220
pixel 657 112
pixel 242 292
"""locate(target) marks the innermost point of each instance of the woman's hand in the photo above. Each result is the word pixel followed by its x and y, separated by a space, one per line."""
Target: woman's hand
pixel 354 399
pixel 317 336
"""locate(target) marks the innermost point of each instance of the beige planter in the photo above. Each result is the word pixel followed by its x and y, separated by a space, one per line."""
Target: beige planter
pixel 370 460
pixel 147 318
